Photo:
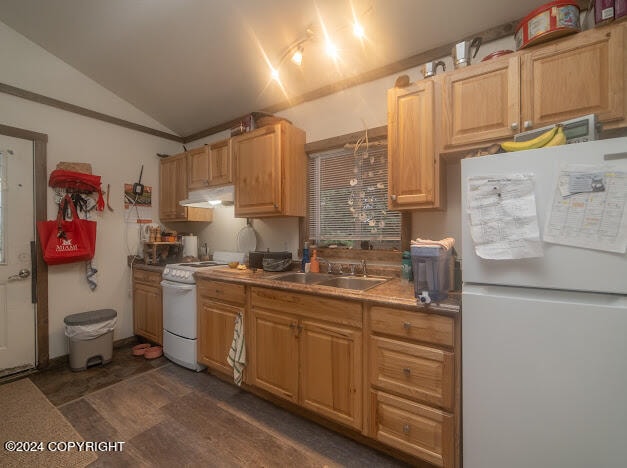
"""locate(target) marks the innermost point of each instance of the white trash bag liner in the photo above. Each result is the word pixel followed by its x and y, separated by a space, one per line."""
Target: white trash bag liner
pixel 89 325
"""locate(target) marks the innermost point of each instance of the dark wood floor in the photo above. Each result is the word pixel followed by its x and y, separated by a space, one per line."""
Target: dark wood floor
pixel 170 416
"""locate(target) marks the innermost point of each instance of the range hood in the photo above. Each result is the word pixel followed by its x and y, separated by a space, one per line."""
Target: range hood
pixel 208 198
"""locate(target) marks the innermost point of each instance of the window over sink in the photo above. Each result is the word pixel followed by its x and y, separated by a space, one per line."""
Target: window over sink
pixel 348 190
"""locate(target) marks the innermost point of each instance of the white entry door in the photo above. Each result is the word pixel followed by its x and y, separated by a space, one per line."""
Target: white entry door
pixel 17 312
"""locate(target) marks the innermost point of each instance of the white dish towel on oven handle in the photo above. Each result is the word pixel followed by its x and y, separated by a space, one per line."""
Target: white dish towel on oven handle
pixel 237 353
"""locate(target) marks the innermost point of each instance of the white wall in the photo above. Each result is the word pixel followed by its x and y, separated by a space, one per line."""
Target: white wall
pixel 115 153
pixel 348 111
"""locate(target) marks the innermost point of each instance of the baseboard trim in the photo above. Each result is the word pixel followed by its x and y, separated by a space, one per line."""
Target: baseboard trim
pixel 64 359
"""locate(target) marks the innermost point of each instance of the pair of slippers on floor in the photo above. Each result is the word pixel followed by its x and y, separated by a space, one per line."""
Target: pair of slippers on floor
pixel 148 351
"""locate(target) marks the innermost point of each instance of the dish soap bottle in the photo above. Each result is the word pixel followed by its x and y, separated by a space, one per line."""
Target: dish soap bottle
pixel 406 272
pixel 305 260
pixel 315 264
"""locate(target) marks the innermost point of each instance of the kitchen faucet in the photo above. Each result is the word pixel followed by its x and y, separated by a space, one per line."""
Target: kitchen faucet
pixel 363 267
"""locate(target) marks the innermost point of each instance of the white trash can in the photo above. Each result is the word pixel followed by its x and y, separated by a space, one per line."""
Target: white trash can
pixel 90 336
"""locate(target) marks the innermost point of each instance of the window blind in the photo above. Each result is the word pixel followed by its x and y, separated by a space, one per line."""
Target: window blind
pixel 348 193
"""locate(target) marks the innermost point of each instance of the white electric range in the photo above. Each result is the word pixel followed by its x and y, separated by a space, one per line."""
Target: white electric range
pixel 179 307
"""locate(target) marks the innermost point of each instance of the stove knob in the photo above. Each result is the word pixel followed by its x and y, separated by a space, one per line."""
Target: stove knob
pixel 187 274
pixel 166 271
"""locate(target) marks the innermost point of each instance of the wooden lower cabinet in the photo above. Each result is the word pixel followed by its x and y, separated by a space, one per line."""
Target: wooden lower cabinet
pixel 147 305
pixel 413 373
pixel 331 374
pixel 276 354
pixel 424 432
pixel 308 350
pixel 218 305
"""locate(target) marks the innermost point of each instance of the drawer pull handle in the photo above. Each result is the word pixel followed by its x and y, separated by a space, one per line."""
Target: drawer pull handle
pixel 406 428
pixel 407 371
pixel 406 325
pixel 219 291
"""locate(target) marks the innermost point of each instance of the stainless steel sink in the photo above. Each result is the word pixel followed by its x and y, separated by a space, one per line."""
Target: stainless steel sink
pixel 358 283
pixel 301 278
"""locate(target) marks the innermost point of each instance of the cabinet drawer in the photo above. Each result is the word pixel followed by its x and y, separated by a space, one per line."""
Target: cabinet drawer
pixel 317 307
pixel 146 276
pixel 223 292
pixel 421 431
pixel 430 328
pixel 418 372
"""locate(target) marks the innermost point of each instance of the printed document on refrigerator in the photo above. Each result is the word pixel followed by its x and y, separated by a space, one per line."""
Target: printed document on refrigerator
pixel 589 209
pixel 502 216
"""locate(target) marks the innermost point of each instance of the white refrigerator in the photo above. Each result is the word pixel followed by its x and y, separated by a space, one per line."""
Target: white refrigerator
pixel 544 340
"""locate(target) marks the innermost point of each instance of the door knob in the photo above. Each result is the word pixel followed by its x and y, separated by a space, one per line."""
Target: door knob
pixel 22 274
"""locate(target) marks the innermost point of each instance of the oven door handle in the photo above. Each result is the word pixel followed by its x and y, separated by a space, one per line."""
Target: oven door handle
pixel 181 287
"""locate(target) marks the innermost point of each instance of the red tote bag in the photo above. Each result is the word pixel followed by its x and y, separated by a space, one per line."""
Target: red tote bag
pixel 67 241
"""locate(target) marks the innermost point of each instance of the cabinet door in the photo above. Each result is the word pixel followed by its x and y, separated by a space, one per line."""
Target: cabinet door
pixel 199 172
pixel 216 323
pixel 258 178
pixel 275 351
pixel 412 177
pixel 331 372
pixel 148 312
pixel 220 166
pixel 577 76
pixel 481 103
pixel 173 187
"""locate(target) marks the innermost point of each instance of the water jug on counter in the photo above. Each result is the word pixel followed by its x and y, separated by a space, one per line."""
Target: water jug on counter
pixel 431 267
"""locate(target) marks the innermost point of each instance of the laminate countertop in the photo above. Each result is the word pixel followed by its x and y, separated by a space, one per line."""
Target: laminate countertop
pixel 390 293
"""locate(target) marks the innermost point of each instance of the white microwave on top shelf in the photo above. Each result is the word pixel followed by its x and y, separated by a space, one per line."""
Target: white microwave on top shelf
pixel 577 130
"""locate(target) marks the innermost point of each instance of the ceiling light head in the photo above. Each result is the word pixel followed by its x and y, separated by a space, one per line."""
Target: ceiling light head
pixel 297 56
pixel 331 50
pixel 274 73
pixel 358 30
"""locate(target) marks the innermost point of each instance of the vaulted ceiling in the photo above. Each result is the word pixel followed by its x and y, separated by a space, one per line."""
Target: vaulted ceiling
pixel 195 64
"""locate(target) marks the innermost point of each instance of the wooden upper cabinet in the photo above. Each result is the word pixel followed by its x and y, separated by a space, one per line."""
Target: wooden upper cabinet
pixel 198 173
pixel 584 74
pixel 270 172
pixel 210 165
pixel 173 187
pixel 173 178
pixel 481 102
pixel 413 169
pixel 220 163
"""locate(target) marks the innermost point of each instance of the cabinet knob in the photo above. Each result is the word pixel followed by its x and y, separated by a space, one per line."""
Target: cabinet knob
pixel 206 181
pixel 528 124
pixel 276 207
pixel 514 126
pixel 393 197
pixel 406 325
pixel 406 428
pixel 407 371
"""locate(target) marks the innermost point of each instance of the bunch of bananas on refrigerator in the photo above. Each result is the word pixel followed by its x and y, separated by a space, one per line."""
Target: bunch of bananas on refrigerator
pixel 553 137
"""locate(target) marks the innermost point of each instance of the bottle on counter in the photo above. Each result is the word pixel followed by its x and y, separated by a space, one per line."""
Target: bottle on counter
pixel 304 264
pixel 315 264
pixel 406 271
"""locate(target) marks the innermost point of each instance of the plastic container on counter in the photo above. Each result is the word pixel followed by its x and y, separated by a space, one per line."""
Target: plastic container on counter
pixel 431 268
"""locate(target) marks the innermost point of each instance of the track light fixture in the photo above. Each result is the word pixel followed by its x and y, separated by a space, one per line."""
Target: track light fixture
pixel 296 50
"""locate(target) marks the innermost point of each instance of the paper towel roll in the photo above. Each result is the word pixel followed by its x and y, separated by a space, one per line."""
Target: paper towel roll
pixel 190 246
